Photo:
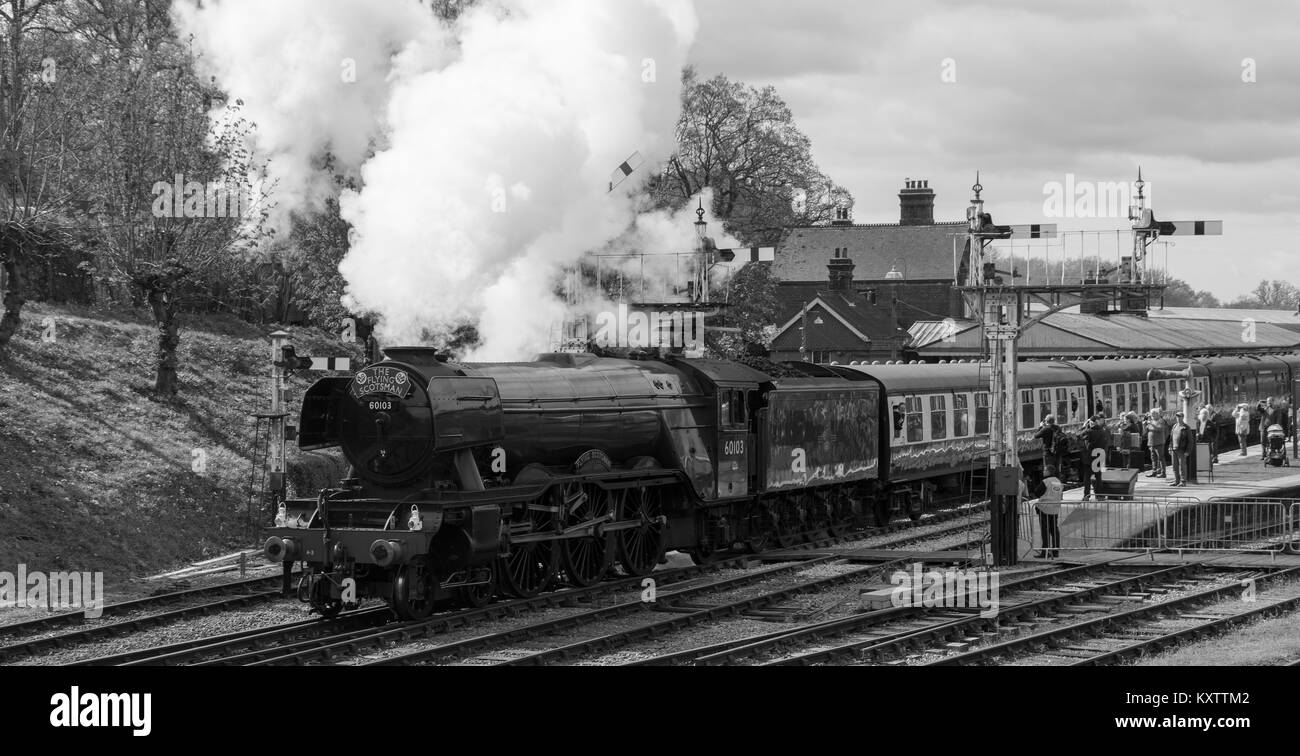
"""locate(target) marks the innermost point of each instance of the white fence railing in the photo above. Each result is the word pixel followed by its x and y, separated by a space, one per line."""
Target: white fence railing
pixel 1183 523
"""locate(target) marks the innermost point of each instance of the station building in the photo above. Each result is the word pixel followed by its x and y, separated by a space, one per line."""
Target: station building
pixel 849 291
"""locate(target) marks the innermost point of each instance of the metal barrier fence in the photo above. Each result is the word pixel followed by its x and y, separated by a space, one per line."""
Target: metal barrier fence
pixel 1183 523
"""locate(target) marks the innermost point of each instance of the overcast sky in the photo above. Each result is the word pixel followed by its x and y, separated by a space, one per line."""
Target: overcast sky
pixel 1045 89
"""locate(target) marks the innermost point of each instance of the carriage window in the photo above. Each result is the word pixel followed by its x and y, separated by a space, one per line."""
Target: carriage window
pixel 960 416
pixel 1121 400
pixel 1106 407
pixel 1133 397
pixel 1027 409
pixel 1146 397
pixel 1062 406
pixel 1044 403
pixel 938 417
pixel 915 426
pixel 899 412
pixel 981 412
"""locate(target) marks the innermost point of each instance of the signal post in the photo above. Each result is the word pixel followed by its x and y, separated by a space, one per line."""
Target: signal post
pixel 1002 306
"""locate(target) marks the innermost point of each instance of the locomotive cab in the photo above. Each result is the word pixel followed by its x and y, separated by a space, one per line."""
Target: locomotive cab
pixel 735 467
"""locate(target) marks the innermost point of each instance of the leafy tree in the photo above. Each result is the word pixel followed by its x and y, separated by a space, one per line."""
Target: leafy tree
pixel 317 244
pixel 743 142
pixel 751 300
pixel 1178 293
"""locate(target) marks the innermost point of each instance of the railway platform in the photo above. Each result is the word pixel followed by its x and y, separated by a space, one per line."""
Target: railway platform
pixel 1235 475
pixel 1240 509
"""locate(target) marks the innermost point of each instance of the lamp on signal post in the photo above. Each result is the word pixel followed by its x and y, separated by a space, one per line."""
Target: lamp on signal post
pixel 702 265
pixel 896 342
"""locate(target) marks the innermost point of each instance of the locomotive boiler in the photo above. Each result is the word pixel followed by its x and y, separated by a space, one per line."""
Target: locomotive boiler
pixel 472 479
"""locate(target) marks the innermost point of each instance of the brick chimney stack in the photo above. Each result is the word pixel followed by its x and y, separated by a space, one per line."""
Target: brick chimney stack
pixel 916 203
pixel 841 271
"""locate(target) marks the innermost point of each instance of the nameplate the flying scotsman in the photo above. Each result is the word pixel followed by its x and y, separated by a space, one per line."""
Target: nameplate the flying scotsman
pixel 380 380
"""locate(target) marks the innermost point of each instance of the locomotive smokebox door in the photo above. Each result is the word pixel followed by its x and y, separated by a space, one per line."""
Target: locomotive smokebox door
pixel 734 444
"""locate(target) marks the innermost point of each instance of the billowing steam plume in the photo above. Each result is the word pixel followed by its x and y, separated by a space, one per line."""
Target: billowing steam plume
pixel 484 150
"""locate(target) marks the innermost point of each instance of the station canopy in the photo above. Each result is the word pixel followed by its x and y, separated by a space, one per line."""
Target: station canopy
pixel 1065 334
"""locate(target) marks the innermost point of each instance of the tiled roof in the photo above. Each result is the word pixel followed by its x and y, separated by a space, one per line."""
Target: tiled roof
pixel 920 252
pixel 873 321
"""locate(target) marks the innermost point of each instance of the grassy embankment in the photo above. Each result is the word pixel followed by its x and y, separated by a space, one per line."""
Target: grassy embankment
pixel 97 474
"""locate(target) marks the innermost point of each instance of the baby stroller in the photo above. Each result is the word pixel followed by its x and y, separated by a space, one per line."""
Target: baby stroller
pixel 1275 447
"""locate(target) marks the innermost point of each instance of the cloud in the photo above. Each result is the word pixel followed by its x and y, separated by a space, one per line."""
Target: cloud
pixel 1042 90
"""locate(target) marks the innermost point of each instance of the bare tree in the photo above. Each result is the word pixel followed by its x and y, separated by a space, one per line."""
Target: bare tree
pixel 177 195
pixel 1269 295
pixel 41 143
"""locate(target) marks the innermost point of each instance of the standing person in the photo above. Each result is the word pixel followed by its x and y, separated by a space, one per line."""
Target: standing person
pixel 1084 466
pixel 1094 437
pixel 1242 417
pixel 1130 428
pixel 1265 410
pixel 1048 504
pixel 1205 430
pixel 1156 429
pixel 1276 415
pixel 1180 441
pixel 1049 432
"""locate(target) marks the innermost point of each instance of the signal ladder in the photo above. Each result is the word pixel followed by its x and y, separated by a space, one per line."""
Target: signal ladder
pixel 261 500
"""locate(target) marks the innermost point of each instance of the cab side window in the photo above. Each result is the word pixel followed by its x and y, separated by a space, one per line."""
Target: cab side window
pixel 731 408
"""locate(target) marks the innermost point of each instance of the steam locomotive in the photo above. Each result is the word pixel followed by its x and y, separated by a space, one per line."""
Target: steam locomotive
pixel 475 479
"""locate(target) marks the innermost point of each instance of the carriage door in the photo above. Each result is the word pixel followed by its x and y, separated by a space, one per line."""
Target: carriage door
pixel 734 442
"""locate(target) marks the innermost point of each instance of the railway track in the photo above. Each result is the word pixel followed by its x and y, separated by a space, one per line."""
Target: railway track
pixel 898 631
pixel 40 644
pixel 1134 632
pixel 309 631
pixel 64 619
pixel 679 604
pixel 672 603
pixel 902 622
pixel 951 631
pixel 683 606
pixel 320 638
